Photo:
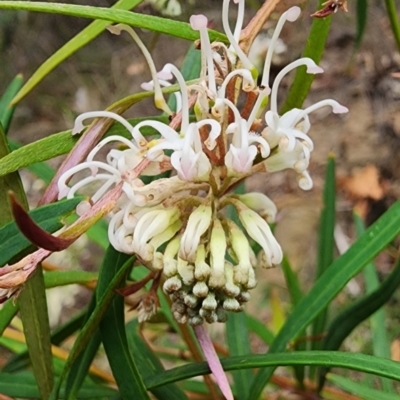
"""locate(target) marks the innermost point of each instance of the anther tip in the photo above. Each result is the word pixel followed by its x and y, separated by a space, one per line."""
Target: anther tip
pixel 165 73
pixel 114 29
pixel 78 128
pixel 339 109
pixel 314 69
pixel 149 86
pixel 198 22
pixel 293 13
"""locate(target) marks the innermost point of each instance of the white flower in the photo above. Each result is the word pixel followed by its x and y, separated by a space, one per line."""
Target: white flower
pixel 197 225
pixel 243 149
pixel 259 230
pixel 260 203
pixel 217 255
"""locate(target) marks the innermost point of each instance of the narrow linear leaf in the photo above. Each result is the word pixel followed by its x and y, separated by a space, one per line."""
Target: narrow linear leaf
pixel 7 313
pixel 330 284
pixel 90 327
pixel 81 365
pixel 357 362
pixel 113 334
pixel 362 12
pixel 352 316
pixel 314 49
pixel 23 385
pixel 40 169
pixel 296 295
pixel 77 42
pixel 150 363
pixel 62 278
pixel 21 360
pixel 32 299
pixel 292 282
pixel 9 182
pixel 326 245
pixel 156 24
pixel 6 110
pixel 362 391
pixel 380 341
pixel 238 341
pixel 34 316
pixel 256 326
pixel 394 21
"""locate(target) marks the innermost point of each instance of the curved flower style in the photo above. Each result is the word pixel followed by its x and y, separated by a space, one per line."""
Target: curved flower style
pixel 177 225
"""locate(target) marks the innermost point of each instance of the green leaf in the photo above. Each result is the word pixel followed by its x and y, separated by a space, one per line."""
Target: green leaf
pixel 32 299
pixel 357 362
pixel 113 334
pixel 9 310
pixel 150 364
pixel 41 170
pixel 77 42
pixel 394 21
pixel 62 278
pixel 326 246
pixel 330 284
pixel 11 181
pixel 6 110
pixel 80 367
pixel 362 13
pixel 7 313
pixel 352 316
pixel 380 341
pixel 314 49
pixel 98 233
pixel 90 327
pixel 292 282
pixel 49 217
pixel 156 24
pixel 23 385
pixel 34 316
pixel 361 391
pixel 293 285
pixel 237 338
pixel 21 360
pixel 256 326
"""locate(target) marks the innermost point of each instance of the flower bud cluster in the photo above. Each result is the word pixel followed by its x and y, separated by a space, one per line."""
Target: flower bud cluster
pixel 178 225
pixel 201 282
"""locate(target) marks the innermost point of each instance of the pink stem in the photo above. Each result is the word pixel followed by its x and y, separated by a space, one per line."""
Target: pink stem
pixel 213 360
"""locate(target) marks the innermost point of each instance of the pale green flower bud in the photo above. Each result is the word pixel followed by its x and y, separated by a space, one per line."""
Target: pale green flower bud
pixel 202 269
pixel 260 231
pixel 209 303
pixel 230 288
pixel 191 300
pixel 151 224
pixel 197 225
pixel 231 305
pixel 261 204
pixel 186 271
pixel 217 255
pixel 241 247
pixel 200 289
pixel 172 284
pixel 170 263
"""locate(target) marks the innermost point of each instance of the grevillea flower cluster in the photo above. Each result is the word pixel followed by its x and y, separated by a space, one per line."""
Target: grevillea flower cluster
pixel 178 225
